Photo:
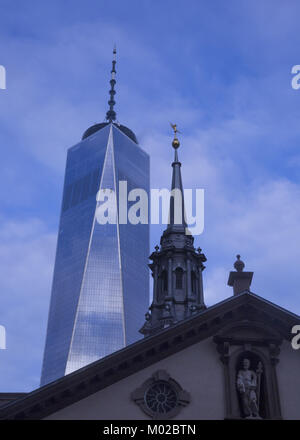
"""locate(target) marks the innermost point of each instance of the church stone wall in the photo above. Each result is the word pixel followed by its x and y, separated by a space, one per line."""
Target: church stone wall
pixel 197 369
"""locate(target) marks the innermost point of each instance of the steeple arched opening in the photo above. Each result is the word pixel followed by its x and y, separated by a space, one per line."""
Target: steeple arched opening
pixel 178 278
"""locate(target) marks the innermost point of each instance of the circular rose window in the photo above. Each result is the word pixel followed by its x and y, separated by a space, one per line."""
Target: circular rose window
pixel 161 397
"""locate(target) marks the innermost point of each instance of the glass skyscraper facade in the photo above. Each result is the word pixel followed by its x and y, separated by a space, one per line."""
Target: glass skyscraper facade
pixel 100 285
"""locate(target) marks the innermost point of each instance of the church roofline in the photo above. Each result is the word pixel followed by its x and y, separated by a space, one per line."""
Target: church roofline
pixel 6 398
pixel 69 389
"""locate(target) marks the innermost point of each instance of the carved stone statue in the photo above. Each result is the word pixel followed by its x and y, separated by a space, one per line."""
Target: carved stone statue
pixel 248 385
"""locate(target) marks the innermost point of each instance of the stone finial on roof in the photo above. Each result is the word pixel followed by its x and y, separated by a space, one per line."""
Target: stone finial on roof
pixel 239 264
pixel 240 280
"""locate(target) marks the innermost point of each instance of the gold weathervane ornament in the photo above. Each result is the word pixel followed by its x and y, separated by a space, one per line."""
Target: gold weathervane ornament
pixel 175 142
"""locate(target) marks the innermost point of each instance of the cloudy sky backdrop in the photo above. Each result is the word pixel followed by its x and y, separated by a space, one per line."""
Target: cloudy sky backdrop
pixel 220 70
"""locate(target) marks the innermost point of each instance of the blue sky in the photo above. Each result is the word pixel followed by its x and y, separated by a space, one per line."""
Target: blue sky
pixel 220 70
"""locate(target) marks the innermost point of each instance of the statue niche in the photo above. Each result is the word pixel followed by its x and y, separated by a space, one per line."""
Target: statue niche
pixel 250 386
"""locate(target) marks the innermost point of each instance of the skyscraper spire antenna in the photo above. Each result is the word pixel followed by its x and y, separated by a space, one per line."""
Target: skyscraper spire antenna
pixel 111 114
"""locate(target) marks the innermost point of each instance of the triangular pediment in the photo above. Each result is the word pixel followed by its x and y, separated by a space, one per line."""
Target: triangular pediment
pixel 247 315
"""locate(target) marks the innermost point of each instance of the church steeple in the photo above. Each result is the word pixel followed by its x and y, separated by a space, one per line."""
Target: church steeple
pixel 177 215
pixel 176 265
pixel 111 114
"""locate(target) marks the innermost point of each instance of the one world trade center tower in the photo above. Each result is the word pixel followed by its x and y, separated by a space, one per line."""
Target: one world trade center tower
pixel 100 284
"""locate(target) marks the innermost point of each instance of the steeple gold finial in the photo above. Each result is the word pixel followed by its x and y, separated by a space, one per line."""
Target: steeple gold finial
pixel 175 142
pixel 174 126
